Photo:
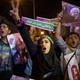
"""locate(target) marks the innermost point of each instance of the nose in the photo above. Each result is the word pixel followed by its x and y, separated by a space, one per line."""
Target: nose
pixel 73 38
pixel 43 43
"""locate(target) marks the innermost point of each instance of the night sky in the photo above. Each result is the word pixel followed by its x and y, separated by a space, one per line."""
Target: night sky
pixel 43 8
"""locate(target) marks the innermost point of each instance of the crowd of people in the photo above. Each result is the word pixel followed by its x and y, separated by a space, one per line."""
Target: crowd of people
pixel 45 59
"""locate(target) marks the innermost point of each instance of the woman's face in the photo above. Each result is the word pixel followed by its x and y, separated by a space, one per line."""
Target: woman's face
pixel 45 45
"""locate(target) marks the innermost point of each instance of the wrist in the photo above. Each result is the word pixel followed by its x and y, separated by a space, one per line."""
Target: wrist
pixel 19 22
pixel 17 18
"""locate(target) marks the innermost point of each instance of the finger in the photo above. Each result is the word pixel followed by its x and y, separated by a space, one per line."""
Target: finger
pixel 11 12
pixel 55 24
pixel 12 4
pixel 17 3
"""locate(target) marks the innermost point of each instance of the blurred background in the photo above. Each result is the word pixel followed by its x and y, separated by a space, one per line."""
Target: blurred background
pixel 33 8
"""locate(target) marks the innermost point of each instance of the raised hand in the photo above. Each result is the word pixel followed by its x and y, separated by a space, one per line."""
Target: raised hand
pixel 15 9
pixel 16 3
pixel 59 16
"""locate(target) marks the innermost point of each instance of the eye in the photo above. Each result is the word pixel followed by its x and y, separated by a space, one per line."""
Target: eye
pixel 70 37
pixel 46 41
pixel 75 37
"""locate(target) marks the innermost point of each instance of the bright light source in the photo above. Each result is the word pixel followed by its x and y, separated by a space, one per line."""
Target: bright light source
pixel 42 32
pixel 76 29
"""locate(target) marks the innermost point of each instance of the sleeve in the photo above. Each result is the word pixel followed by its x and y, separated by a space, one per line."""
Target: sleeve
pixel 26 37
pixel 28 69
pixel 61 43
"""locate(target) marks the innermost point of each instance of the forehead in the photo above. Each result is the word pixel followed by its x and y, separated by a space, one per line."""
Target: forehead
pixel 4 25
pixel 74 35
pixel 45 39
pixel 75 10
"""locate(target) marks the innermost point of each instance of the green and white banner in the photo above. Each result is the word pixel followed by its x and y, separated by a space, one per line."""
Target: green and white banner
pixel 38 24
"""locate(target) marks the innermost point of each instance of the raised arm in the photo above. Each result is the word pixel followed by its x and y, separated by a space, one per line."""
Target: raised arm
pixel 58 30
pixel 15 9
pixel 58 27
pixel 21 27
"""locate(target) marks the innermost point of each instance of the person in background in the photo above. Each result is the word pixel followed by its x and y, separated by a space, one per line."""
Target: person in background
pixel 6 62
pixel 46 65
pixel 72 43
pixel 36 38
pixel 76 30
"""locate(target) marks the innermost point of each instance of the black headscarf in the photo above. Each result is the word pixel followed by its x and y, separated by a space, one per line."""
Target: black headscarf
pixel 46 61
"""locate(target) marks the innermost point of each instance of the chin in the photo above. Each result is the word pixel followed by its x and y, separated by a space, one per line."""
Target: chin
pixel 74 46
pixel 45 53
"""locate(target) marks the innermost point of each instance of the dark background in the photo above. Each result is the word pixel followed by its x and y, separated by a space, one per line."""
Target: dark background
pixel 43 8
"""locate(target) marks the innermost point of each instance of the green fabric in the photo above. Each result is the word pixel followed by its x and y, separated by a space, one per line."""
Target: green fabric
pixel 48 38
